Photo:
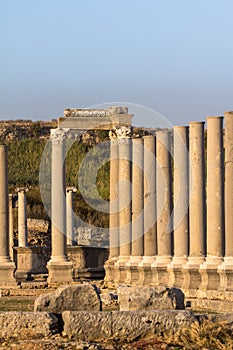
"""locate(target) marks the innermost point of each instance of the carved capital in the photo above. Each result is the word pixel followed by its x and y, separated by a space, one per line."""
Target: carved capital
pixel 120 132
pixel 58 135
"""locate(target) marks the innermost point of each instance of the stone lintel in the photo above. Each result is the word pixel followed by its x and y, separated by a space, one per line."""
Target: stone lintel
pixel 90 123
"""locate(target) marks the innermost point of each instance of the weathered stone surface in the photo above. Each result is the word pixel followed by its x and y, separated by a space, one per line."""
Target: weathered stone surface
pixel 109 298
pixel 72 297
pixel 27 324
pixel 123 325
pixel 150 298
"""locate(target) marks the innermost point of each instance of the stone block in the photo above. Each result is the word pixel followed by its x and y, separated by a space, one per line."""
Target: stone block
pixel 76 297
pixel 27 324
pixel 150 298
pixel 123 325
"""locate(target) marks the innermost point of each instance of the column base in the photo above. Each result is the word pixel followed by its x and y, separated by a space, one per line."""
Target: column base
pixel 192 275
pixel 225 271
pixel 160 271
pixel 133 275
pixel 176 274
pixel 145 271
pixel 7 279
pixel 59 273
pixel 209 273
pixel 121 269
pixel 110 271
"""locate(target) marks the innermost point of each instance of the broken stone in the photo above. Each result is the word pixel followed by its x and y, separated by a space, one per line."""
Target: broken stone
pixel 75 297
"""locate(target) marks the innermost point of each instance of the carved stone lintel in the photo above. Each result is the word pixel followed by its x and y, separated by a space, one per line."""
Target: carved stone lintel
pixel 94 113
pixel 120 132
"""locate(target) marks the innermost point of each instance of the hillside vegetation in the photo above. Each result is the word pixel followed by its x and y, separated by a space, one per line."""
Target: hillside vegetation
pixel 25 152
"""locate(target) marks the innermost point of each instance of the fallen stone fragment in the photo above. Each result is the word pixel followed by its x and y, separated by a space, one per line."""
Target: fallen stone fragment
pixel 77 297
pixel 150 298
pixel 123 325
pixel 27 324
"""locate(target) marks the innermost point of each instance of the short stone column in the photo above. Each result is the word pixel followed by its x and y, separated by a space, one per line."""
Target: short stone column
pixel 70 215
pixel 215 205
pixel 7 266
pixel 164 207
pixel 197 207
pixel 181 204
pixel 22 217
pixel 226 269
pixel 137 211
pixel 60 269
pixel 150 241
pixel 125 205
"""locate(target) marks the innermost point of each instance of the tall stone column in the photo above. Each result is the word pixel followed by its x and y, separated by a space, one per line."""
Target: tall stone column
pixel 150 239
pixel 114 215
pixel 11 227
pixel 125 198
pixel 197 207
pixel 181 204
pixel 22 217
pixel 215 204
pixel 114 249
pixel 164 206
pixel 7 267
pixel 70 215
pixel 60 269
pixel 226 269
pixel 137 211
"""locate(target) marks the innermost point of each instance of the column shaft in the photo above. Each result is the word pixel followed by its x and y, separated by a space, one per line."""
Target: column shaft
pixel 125 196
pixel 137 198
pixel 215 192
pixel 114 215
pixel 70 215
pixel 228 184
pixel 11 226
pixel 150 239
pixel 58 202
pixel 22 218
pixel 4 206
pixel 197 208
pixel 164 193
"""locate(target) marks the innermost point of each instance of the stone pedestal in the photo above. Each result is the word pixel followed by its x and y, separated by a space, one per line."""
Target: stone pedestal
pixel 197 207
pixel 22 217
pixel 7 266
pixel 181 204
pixel 70 215
pixel 215 205
pixel 137 212
pixel 60 269
pixel 164 206
pixel 225 270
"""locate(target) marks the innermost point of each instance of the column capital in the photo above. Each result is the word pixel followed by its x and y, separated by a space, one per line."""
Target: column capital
pixel 120 132
pixel 71 189
pixel 21 189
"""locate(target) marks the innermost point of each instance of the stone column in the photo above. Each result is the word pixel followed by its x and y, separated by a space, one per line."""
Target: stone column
pixel 125 197
pixel 7 267
pixel 60 269
pixel 70 215
pixel 164 206
pixel 197 207
pixel 150 239
pixel 215 204
pixel 181 204
pixel 11 227
pixel 114 215
pixel 137 211
pixel 226 269
pixel 22 217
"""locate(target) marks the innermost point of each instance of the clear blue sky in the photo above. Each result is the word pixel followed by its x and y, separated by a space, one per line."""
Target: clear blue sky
pixel 174 56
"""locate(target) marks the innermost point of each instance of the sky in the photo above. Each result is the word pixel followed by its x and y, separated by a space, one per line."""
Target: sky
pixel 174 57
